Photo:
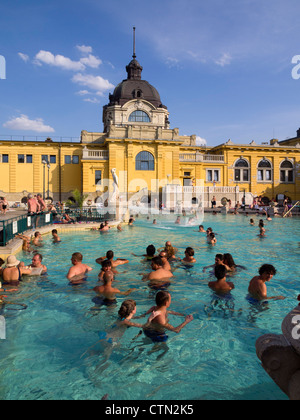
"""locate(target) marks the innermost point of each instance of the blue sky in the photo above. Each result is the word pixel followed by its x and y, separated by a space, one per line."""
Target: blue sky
pixel 223 68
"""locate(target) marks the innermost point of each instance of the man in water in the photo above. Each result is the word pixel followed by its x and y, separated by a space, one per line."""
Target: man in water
pixel 76 273
pixel 221 286
pixel 257 287
pixel 158 273
pixel 158 321
pixel 37 265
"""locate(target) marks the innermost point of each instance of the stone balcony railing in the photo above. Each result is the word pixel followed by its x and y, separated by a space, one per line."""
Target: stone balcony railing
pixel 90 154
pixel 198 157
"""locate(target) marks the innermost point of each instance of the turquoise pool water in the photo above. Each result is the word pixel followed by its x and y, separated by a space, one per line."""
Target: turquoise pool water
pixel 52 349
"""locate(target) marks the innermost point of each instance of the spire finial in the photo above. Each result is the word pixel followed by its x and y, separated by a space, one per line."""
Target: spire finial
pixel 134 56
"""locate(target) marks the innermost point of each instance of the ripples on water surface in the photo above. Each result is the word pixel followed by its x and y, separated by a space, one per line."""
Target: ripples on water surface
pixel 52 350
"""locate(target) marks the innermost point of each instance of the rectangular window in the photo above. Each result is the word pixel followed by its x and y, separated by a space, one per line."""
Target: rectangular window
pixel 28 158
pixel 187 174
pixel 45 158
pixel 282 176
pixel 21 159
pixel 98 177
pixel 68 159
pixel 212 175
pixel 246 174
pixel 52 159
pixel 237 175
pixel 290 176
pixel 4 158
pixel 260 175
pixel 268 175
pixel 75 159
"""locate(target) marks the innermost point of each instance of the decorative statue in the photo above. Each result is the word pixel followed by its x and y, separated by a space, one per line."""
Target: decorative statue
pixel 115 195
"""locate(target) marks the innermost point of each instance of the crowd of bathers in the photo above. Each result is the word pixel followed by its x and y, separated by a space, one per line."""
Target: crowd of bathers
pixel 163 262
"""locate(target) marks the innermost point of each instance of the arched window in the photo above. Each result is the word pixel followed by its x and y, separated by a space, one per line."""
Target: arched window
pixel 144 161
pixel 286 171
pixel 264 171
pixel 139 116
pixel 241 171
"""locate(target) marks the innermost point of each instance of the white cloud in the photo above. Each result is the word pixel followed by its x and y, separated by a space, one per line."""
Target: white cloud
pixel 92 100
pixel 24 123
pixel 83 92
pixel 91 61
pixel 200 141
pixel 84 49
pixel 24 57
pixel 66 63
pixel 224 60
pixel 96 83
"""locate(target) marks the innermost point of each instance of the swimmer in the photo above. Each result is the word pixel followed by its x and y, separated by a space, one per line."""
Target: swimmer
pixel 104 227
pixel 158 321
pixel 189 256
pixel 211 239
pixel 177 221
pixel 37 238
pixel 229 263
pixel 13 271
pixel 150 253
pixel 252 222
pixel 78 270
pixel 219 260
pixel 170 250
pixel 130 221
pixel 201 229
pixel 106 266
pixel 221 285
pixel 257 287
pixel 119 228
pixel 158 273
pixel 166 265
pixel 110 257
pixel 37 265
pixel 55 236
pixel 107 291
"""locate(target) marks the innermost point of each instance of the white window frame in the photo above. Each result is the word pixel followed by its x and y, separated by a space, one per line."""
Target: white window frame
pixel 213 171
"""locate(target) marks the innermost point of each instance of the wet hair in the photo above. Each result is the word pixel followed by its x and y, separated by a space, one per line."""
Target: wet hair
pixel 150 250
pixel 54 230
pixel 170 251
pixel 267 269
pixel 109 255
pixel 162 297
pixel 220 257
pixel 126 308
pixel 220 271
pixel 108 276
pixel 190 252
pixel 261 223
pixel 228 259
pixel 157 261
pixel 105 264
pixel 77 256
pixel 36 234
pixel 41 257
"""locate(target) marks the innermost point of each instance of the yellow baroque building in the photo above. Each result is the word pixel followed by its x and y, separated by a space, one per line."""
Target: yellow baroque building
pixel 139 148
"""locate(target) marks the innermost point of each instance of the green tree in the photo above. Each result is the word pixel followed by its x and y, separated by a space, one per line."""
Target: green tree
pixel 78 197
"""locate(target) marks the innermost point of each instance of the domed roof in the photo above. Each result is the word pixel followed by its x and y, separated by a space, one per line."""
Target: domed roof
pixel 134 88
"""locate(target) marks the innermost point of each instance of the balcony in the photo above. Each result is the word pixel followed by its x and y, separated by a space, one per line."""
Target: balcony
pixel 91 154
pixel 198 157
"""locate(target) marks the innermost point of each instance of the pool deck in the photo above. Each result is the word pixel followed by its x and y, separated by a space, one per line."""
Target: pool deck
pixel 15 245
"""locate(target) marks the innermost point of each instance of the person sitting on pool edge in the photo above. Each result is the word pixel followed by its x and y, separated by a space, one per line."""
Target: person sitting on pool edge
pixel 76 274
pixel 158 321
pixel 107 292
pixel 221 286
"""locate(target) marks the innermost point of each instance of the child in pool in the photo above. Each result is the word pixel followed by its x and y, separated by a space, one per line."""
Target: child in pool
pixel 158 320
